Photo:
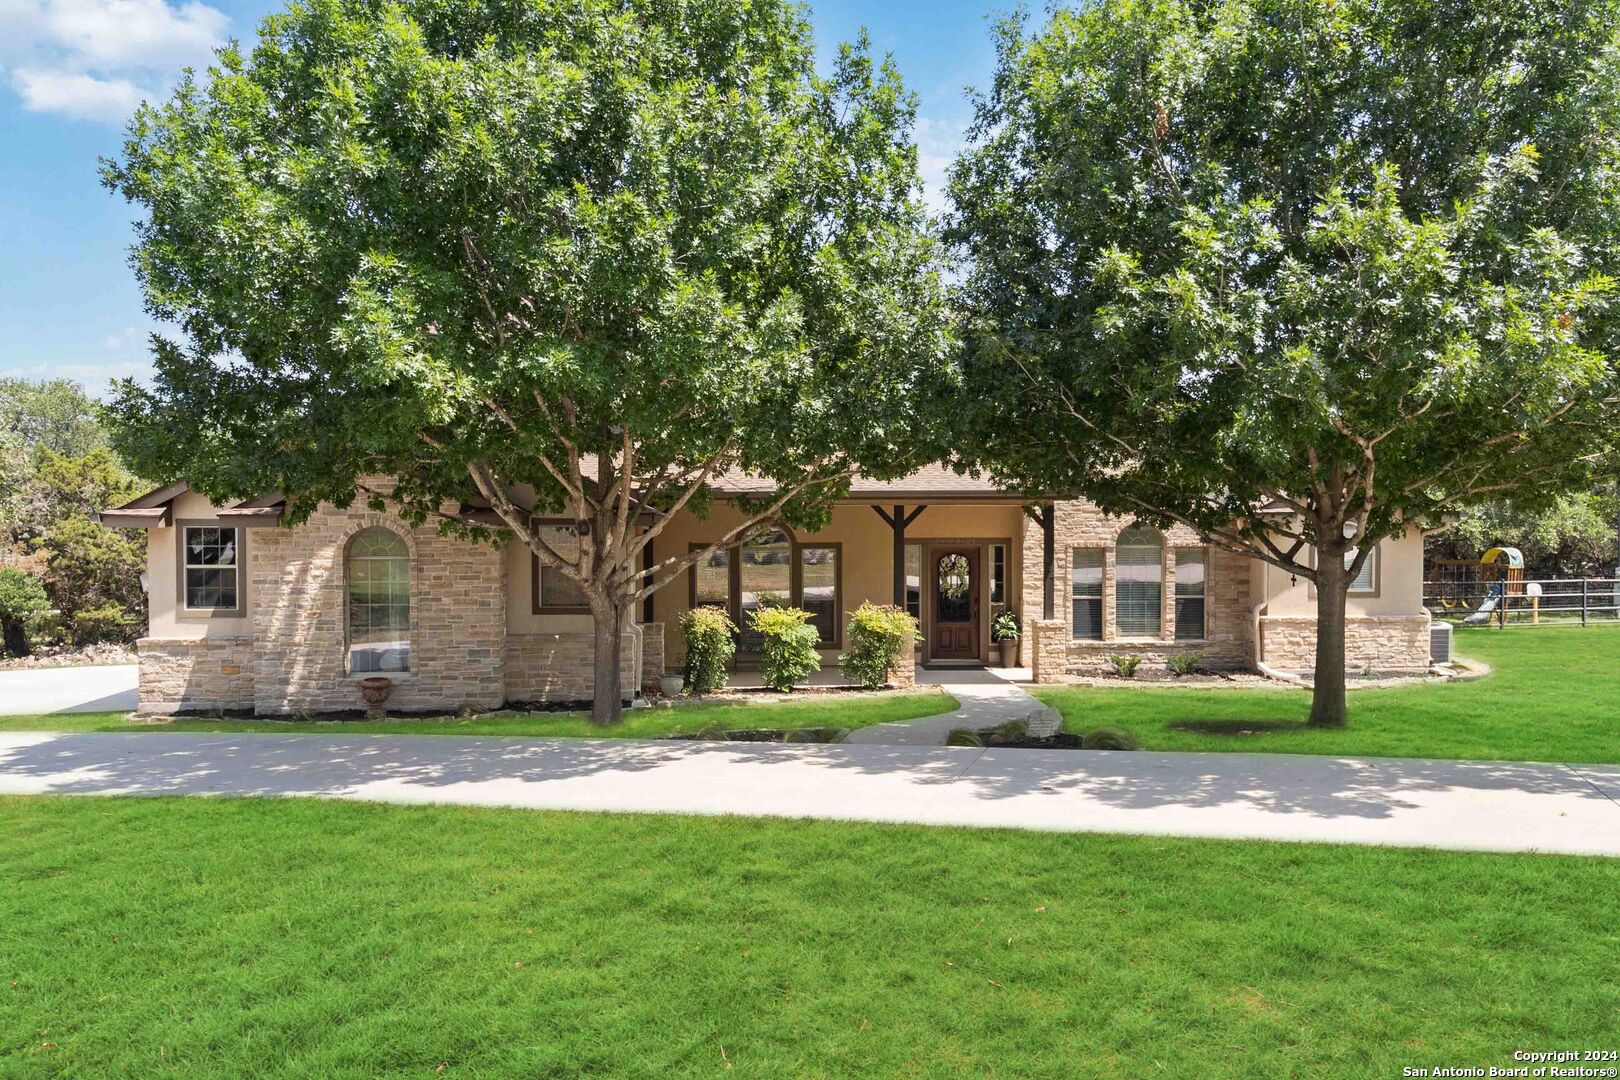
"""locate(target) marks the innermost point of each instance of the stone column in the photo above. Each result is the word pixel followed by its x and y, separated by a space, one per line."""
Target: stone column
pixel 1049 653
pixel 904 673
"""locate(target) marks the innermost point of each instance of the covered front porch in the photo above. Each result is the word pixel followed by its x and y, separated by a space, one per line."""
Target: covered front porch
pixel 950 553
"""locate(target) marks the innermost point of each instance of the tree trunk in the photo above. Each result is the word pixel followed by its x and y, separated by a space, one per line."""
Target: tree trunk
pixel 607 697
pixel 1328 707
pixel 16 637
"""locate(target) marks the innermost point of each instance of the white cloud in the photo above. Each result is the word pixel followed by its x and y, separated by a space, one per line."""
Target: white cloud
pixel 96 59
pixel 84 97
pixel 938 143
pixel 133 33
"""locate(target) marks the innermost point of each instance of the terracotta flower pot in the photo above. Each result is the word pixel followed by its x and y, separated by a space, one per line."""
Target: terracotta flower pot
pixel 1009 652
pixel 375 690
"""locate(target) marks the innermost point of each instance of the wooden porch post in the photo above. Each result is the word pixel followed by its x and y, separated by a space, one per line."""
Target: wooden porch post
pixel 898 521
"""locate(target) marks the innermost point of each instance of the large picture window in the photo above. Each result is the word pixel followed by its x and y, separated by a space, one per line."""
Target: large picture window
pixel 211 568
pixel 772 569
pixel 1191 587
pixel 1139 582
pixel 554 591
pixel 1086 582
pixel 379 572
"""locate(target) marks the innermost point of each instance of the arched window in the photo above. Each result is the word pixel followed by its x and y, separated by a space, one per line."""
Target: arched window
pixel 1139 582
pixel 379 573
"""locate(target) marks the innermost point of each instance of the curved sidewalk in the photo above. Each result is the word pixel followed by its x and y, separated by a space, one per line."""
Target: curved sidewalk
pixel 1485 806
pixel 985 698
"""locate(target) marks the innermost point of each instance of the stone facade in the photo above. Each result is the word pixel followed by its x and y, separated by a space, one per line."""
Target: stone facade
pixel 1227 639
pixel 904 673
pixel 1047 641
pixel 560 667
pixel 457 626
pixel 1375 645
pixel 195 675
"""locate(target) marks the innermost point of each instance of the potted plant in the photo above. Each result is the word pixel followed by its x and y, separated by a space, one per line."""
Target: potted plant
pixel 1005 631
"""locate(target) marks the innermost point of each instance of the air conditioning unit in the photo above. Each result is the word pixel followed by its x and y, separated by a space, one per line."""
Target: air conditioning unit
pixel 1439 642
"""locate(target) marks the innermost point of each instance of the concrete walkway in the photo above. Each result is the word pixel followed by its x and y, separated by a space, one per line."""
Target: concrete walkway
pixel 986 698
pixel 35 691
pixel 1486 806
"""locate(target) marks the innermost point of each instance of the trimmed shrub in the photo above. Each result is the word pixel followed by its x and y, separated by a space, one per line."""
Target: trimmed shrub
pixel 875 635
pixel 1110 738
pixel 1011 731
pixel 1184 663
pixel 710 644
pixel 1124 666
pixel 963 737
pixel 816 735
pixel 787 650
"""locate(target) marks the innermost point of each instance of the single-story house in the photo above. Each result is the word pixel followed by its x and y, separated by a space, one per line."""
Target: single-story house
pixel 248 615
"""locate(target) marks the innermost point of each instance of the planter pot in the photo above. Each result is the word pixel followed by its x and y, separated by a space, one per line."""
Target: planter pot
pixel 672 684
pixel 375 691
pixel 1009 652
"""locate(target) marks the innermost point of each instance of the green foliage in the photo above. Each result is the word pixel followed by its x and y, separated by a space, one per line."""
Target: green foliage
pixel 1184 663
pixel 875 635
pixel 23 606
pixel 1124 666
pixel 711 642
pixel 1357 257
pixel 589 248
pixel 93 577
pixel 52 414
pixel 963 737
pixel 788 651
pixel 1005 627
pixel 1110 739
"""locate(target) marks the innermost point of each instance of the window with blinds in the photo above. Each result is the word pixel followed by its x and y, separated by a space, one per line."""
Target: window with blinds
pixel 1367 580
pixel 1139 582
pixel 1086 584
pixel 1190 592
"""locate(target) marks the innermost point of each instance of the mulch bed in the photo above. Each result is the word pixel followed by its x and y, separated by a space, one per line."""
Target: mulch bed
pixel 1061 741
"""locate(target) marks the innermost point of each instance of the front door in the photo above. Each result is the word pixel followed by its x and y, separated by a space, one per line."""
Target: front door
pixel 954 582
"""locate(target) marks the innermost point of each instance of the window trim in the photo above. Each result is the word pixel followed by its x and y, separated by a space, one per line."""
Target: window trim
pixel 1162 581
pixel 410 607
pixel 1100 597
pixel 795 582
pixel 535 567
pixel 1376 560
pixel 185 613
pixel 1203 593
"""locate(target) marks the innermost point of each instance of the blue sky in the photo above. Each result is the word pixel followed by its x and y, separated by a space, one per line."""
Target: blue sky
pixel 72 70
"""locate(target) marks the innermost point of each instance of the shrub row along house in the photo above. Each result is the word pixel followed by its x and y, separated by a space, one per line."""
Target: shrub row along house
pixel 247 615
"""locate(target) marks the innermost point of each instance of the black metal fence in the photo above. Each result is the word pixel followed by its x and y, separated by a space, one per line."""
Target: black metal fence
pixel 1549 601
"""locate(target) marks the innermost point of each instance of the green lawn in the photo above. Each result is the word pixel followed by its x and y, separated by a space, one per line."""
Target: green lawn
pixel 851 711
pixel 271 938
pixel 1554 696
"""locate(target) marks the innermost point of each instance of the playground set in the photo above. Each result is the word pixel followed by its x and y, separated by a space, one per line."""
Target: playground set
pixel 1493 588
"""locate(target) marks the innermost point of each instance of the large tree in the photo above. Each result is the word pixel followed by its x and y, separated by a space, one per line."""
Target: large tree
pixel 1299 274
pixel 573 258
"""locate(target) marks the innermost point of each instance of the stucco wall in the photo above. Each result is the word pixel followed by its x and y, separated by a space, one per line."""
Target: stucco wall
pixel 167 620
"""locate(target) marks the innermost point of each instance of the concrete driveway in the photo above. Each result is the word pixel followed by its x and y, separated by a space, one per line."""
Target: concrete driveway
pixel 1469 805
pixel 34 691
